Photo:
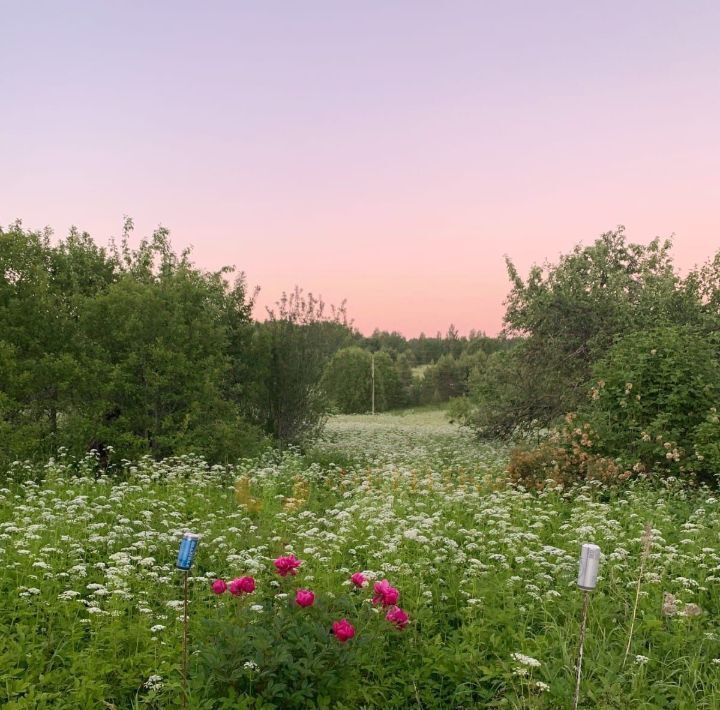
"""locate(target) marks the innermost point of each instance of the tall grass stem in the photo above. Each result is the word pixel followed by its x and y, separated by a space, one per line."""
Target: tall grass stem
pixel 647 543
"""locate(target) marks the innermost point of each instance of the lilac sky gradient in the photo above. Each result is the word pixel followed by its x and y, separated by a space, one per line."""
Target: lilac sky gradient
pixel 385 152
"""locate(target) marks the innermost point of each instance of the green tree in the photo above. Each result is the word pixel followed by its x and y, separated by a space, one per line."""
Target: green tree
pixel 449 377
pixel 382 340
pixel 347 380
pixel 123 348
pixel 388 386
pixel 293 348
pixel 572 312
pixel 567 315
pixel 497 402
pixel 164 327
pixel 405 379
pixel 43 291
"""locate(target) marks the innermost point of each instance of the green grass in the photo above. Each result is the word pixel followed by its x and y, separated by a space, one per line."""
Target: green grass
pixel 89 591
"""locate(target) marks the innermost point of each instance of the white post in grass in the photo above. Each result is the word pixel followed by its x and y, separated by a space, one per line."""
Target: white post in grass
pixel 372 377
pixel 587 579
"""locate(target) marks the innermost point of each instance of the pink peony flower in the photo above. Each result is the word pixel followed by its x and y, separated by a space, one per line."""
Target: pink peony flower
pixel 385 594
pixel 287 565
pixel 398 617
pixel 218 586
pixel 304 597
pixel 358 579
pixel 242 585
pixel 343 630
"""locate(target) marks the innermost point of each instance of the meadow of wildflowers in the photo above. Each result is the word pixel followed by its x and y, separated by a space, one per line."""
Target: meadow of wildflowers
pixel 407 573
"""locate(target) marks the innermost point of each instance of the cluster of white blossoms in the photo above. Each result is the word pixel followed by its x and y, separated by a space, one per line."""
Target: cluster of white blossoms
pixel 524 660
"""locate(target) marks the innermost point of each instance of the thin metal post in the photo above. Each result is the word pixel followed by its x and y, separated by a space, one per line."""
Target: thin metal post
pixel 185 642
pixel 583 623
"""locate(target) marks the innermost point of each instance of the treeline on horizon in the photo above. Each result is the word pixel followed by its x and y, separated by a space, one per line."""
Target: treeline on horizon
pixel 609 360
pixel 133 351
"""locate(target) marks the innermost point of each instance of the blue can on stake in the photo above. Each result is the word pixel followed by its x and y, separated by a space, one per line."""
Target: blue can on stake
pixel 186 553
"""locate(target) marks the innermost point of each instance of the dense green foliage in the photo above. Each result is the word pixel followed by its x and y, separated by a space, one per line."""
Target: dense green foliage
pixel 119 349
pixel 570 313
pixel 655 400
pixel 498 403
pixel 291 351
pixel 348 381
pixel 420 371
pixel 92 605
pixel 133 351
pixel 614 333
pixel 425 350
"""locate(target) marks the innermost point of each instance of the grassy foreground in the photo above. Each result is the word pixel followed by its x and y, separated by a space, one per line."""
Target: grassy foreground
pixel 90 601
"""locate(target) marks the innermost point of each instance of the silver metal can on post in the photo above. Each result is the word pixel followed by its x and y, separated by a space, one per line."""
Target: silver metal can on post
pixel 587 579
pixel 589 564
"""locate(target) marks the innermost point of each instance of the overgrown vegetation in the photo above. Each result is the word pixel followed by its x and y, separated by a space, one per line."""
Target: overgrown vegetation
pixel 613 334
pixel 92 605
pixel 608 371
pixel 130 352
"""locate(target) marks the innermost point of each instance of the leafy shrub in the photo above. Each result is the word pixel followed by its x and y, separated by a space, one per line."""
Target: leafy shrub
pixel 347 380
pixel 653 402
pixel 566 457
pixel 572 311
pixel 569 315
pixel 278 643
pixel 283 655
pixel 652 411
pixel 707 442
pixel 496 406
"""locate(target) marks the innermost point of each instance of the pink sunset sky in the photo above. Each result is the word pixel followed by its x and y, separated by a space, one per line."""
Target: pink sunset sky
pixel 387 153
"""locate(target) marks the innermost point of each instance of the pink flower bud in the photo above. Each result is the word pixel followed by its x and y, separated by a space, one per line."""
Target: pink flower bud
pixel 343 630
pixel 304 597
pixel 287 565
pixel 358 579
pixel 242 585
pixel 218 586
